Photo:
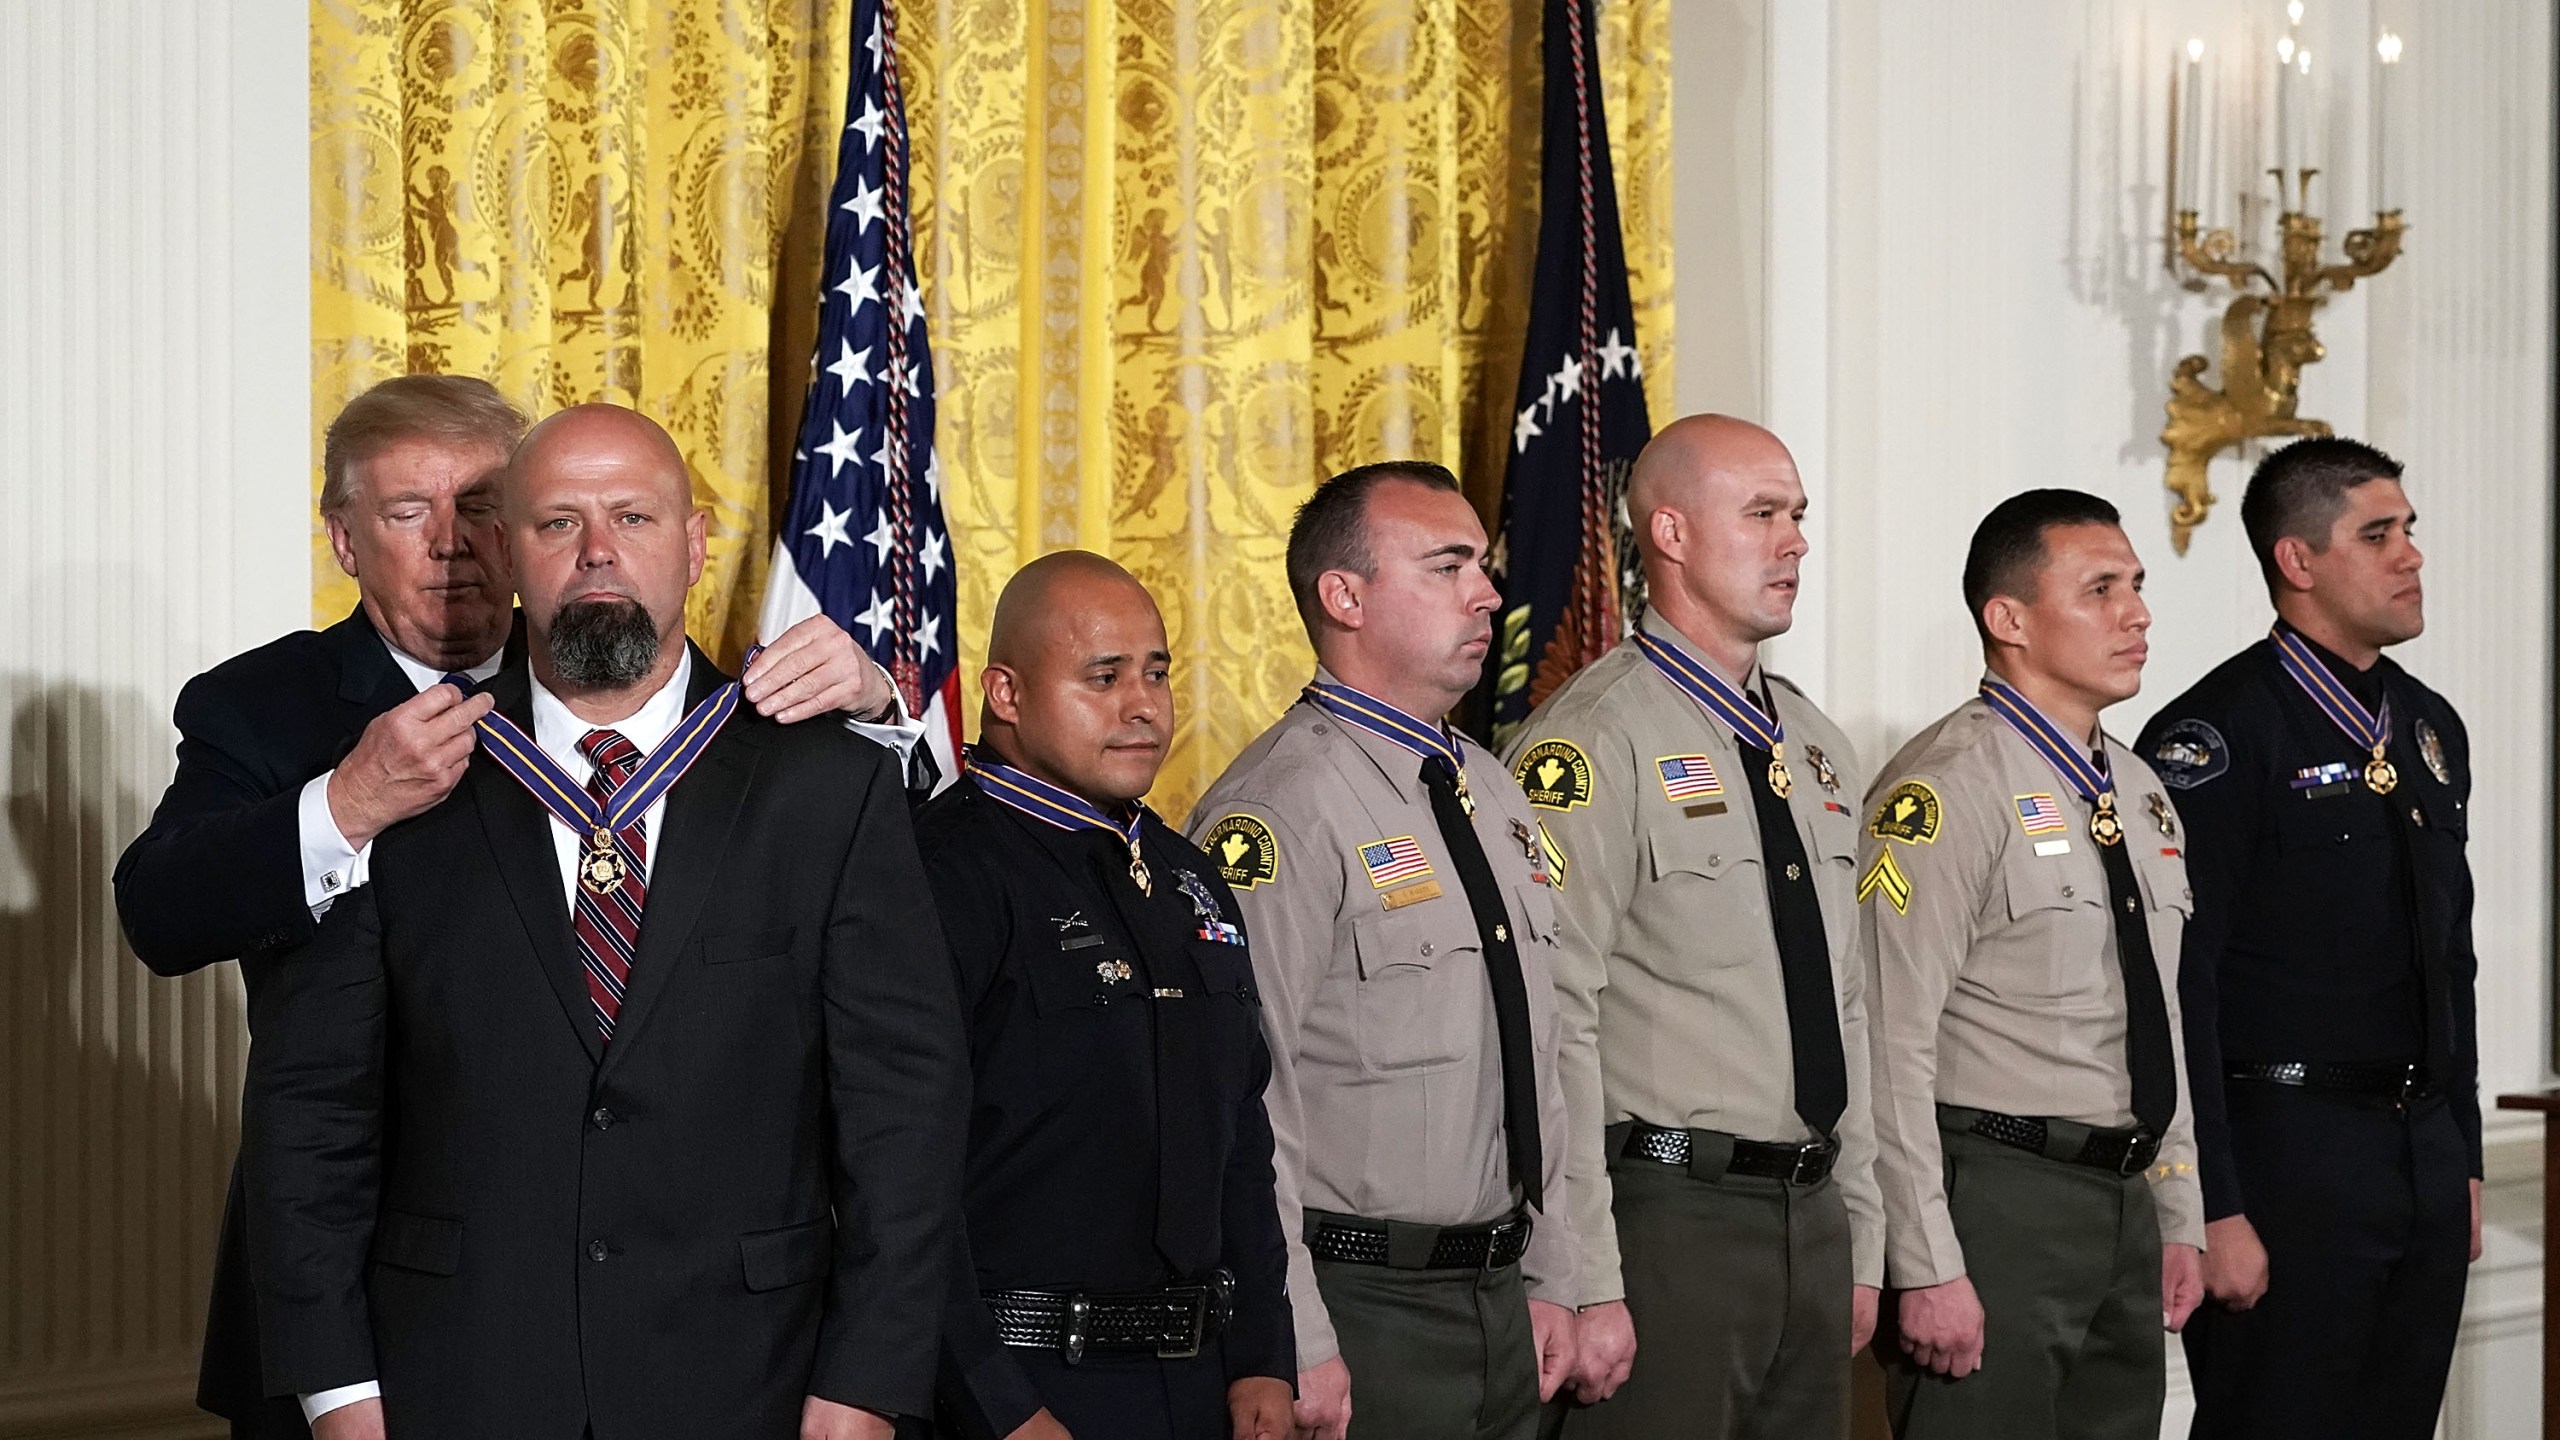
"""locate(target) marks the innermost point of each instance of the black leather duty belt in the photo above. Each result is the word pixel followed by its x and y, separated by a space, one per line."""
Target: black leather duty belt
pixel 2402 1083
pixel 2127 1151
pixel 1174 1323
pixel 1808 1163
pixel 1401 1245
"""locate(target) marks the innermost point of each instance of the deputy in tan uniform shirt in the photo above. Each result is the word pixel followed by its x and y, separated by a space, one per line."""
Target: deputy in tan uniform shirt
pixel 2023 906
pixel 1727 1213
pixel 1402 931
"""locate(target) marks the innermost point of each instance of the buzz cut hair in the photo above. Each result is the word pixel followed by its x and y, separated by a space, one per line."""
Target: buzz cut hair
pixel 2301 490
pixel 456 409
pixel 1331 531
pixel 2008 554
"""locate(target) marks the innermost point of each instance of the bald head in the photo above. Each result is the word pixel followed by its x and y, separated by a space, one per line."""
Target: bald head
pixel 1718 512
pixel 607 543
pixel 1078 690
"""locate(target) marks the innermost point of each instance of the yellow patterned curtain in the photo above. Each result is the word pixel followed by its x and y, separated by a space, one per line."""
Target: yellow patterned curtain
pixel 1182 258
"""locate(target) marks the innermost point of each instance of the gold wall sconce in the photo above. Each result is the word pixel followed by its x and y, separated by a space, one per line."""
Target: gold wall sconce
pixel 2267 335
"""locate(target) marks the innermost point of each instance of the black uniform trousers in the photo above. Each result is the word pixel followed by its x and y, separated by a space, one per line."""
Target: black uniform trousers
pixel 2366 1216
pixel 1109 1395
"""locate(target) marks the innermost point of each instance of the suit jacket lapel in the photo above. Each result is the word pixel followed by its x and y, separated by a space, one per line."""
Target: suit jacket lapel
pixel 701 810
pixel 519 831
pixel 369 680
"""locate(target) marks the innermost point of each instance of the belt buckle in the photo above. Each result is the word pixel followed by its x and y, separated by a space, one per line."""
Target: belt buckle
pixel 1808 1156
pixel 1493 1241
pixel 1213 1300
pixel 1071 1335
pixel 2408 1091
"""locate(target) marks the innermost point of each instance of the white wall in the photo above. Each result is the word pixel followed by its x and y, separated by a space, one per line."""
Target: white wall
pixel 154 462
pixel 1985 182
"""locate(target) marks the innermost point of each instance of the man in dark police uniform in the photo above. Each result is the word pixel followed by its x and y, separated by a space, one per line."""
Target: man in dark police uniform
pixel 1129 1273
pixel 2328 978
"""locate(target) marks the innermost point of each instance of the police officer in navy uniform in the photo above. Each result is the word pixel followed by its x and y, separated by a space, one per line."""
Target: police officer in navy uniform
pixel 2328 979
pixel 1129 1272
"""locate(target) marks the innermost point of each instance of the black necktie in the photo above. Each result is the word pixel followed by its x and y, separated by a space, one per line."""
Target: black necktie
pixel 1804 955
pixel 2146 1032
pixel 1502 968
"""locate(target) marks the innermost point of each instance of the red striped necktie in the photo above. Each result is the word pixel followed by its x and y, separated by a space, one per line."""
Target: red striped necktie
pixel 608 923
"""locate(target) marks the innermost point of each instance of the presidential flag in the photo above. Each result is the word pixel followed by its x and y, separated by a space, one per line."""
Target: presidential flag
pixel 863 540
pixel 1565 559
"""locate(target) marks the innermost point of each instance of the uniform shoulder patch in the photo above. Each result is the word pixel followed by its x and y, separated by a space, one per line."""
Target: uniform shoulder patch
pixel 1244 850
pixel 1555 775
pixel 2189 753
pixel 1909 813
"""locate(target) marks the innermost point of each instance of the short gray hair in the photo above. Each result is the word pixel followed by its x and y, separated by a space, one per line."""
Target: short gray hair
pixel 459 409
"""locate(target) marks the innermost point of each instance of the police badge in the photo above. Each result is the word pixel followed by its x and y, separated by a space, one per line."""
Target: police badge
pixel 2431 750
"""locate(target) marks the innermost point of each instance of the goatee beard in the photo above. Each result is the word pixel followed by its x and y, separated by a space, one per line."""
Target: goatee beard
pixel 602 644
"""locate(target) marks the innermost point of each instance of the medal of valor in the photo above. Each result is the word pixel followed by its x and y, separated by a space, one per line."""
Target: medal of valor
pixel 2104 827
pixel 2379 774
pixel 1138 875
pixel 1780 782
pixel 1065 809
pixel 1751 725
pixel 601 869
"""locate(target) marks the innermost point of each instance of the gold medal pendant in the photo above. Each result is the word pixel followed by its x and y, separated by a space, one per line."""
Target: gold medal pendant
pixel 1138 873
pixel 601 868
pixel 1466 802
pixel 1780 782
pixel 2379 774
pixel 2104 827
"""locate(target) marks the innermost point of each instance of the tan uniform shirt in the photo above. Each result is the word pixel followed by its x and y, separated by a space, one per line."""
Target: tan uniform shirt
pixel 1992 978
pixel 1386 1072
pixel 1673 1005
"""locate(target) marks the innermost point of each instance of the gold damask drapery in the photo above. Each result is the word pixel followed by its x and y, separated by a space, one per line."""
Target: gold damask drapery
pixel 1181 259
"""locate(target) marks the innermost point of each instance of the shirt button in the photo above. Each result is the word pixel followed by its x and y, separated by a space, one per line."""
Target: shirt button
pixel 2068 892
pixel 1715 859
pixel 596 1251
pixel 603 1118
pixel 1426 947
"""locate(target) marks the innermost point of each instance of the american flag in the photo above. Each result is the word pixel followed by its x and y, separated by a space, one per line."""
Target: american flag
pixel 863 540
pixel 2039 815
pixel 1688 776
pixel 1389 861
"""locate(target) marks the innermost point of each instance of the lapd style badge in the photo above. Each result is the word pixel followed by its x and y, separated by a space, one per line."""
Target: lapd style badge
pixel 1554 774
pixel 2189 753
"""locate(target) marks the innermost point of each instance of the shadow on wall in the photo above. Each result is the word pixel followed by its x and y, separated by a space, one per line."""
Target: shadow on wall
pixel 119 1091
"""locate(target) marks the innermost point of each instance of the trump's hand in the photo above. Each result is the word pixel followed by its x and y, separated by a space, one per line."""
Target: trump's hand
pixel 827 1420
pixel 1942 1327
pixel 814 668
pixel 409 758
pixel 1323 1411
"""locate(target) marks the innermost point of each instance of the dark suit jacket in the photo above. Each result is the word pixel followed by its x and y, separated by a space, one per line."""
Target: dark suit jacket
pixel 750 1196
pixel 218 876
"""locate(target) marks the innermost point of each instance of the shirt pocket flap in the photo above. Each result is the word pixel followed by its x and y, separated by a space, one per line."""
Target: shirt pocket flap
pixel 1224 969
pixel 1411 938
pixel 738 946
pixel 430 1244
pixel 1694 849
pixel 1536 906
pixel 793 1255
pixel 2044 883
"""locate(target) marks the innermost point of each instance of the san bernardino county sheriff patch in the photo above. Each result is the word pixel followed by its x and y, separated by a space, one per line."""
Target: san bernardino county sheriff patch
pixel 1909 814
pixel 1555 774
pixel 1244 850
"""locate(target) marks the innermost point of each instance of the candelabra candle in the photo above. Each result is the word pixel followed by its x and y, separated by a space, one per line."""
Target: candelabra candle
pixel 2288 122
pixel 2190 156
pixel 2387 51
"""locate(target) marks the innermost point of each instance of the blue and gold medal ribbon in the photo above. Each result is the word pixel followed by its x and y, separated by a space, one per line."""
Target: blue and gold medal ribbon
pixel 2368 730
pixel 1423 738
pixel 1065 809
pixel 568 801
pixel 1741 714
pixel 2063 753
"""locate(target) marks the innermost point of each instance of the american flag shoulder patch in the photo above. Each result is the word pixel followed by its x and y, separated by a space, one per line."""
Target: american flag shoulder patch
pixel 2040 814
pixel 1686 777
pixel 1393 861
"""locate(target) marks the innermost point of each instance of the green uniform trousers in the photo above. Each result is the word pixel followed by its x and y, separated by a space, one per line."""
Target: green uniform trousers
pixel 1434 1354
